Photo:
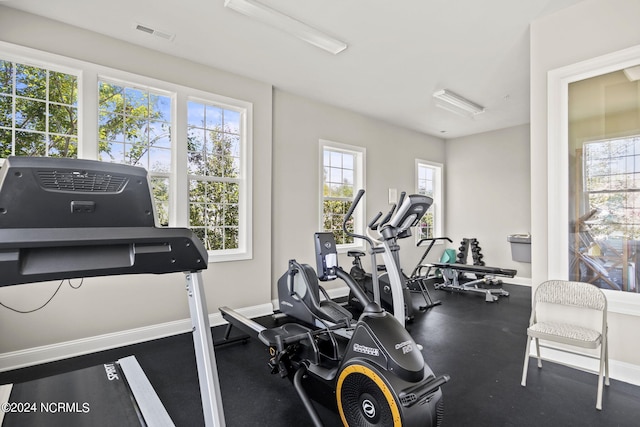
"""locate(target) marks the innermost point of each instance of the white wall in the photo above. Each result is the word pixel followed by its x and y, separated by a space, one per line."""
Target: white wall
pixel 587 30
pixel 286 200
pixel 488 193
pixel 299 124
pixel 116 304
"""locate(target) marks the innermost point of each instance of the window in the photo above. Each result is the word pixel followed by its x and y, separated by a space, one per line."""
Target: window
pixel 342 177
pixel 214 154
pixel 195 145
pixel 429 183
pixel 134 127
pixel 38 111
pixel 606 237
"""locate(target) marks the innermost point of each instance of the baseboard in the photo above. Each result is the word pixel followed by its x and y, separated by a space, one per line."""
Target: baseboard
pixel 621 371
pixel 65 350
pixel 523 281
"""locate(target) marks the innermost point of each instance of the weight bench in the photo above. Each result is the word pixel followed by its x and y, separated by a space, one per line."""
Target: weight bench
pixel 451 273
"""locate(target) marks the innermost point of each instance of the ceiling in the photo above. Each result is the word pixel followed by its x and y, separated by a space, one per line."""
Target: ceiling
pixel 398 54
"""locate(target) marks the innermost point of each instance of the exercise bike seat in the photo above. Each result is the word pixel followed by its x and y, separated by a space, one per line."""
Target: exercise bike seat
pixel 284 333
pixel 308 289
pixel 325 309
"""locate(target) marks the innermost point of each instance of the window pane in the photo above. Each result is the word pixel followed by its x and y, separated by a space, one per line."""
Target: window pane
pixel 6 77
pixel 31 82
pixel 63 146
pixel 160 189
pixel 195 113
pixel 159 160
pixel 30 114
pixel 213 118
pixel 5 143
pixel 30 144
pixel 160 134
pixel 6 111
pixel 63 88
pixel 111 97
pixel 63 119
pixel 136 102
pixel 232 121
pixel 160 107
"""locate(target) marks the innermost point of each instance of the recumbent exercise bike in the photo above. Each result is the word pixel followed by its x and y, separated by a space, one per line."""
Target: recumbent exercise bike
pixel 372 365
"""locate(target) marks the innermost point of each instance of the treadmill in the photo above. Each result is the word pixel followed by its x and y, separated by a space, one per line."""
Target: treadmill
pixel 69 218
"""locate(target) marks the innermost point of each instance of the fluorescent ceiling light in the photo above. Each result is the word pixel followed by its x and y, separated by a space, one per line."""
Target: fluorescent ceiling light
pixel 286 23
pixel 452 99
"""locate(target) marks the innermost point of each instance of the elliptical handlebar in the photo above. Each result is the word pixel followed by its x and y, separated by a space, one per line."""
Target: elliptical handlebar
pixel 372 224
pixel 348 216
pixel 386 218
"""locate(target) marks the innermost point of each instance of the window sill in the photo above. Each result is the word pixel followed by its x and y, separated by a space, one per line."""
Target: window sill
pixel 623 302
pixel 229 256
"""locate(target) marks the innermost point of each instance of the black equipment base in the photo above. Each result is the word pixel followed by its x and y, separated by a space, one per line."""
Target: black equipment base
pixel 104 395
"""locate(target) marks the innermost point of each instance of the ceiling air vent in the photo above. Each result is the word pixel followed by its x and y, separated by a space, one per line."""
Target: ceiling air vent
pixel 154 32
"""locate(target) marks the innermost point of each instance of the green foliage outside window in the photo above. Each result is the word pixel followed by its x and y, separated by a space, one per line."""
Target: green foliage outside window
pixel 38 112
pixel 338 193
pixel 213 158
pixel 39 117
pixel 134 128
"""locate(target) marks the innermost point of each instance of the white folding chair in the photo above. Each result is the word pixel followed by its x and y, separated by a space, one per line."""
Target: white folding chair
pixel 591 301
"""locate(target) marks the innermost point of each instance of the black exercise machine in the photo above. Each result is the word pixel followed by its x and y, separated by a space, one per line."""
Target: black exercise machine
pixel 390 287
pixel 67 218
pixel 372 365
pixel 417 281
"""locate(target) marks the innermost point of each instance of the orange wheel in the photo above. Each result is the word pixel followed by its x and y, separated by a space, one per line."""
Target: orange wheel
pixel 364 399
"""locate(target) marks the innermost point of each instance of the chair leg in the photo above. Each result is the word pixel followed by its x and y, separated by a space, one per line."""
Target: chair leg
pixel 600 373
pixel 606 362
pixel 538 352
pixel 526 363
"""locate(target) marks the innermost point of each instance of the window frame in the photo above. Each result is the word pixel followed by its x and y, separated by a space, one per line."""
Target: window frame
pixel 359 180
pixel 438 195
pixel 89 75
pixel 14 54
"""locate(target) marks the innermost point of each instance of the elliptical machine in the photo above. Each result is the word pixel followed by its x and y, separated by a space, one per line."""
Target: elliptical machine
pixel 390 288
pixel 373 366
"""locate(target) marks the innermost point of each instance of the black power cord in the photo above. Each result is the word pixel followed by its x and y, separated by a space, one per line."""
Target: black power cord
pixel 48 301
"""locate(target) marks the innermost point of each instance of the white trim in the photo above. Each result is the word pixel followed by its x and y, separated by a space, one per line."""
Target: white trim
pixel 620 371
pixel 68 349
pixel 558 81
pixel 521 281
